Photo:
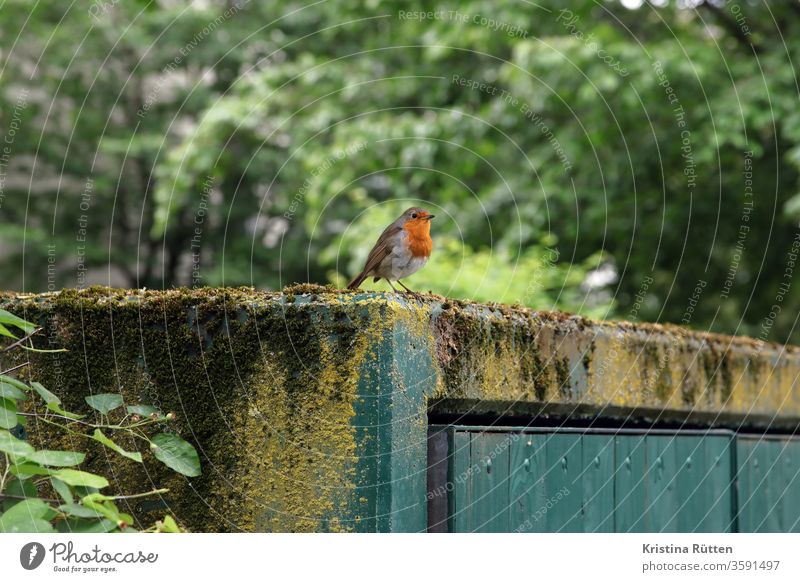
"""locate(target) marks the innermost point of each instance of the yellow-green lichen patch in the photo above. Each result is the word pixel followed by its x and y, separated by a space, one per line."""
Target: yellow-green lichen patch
pixel 483 355
pixel 495 354
pixel 217 358
pixel 282 393
pixel 296 454
pixel 295 451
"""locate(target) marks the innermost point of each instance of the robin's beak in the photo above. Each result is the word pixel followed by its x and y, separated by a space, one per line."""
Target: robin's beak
pixel 429 217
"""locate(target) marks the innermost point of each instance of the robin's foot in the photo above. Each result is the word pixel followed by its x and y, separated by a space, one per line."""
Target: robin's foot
pixel 410 292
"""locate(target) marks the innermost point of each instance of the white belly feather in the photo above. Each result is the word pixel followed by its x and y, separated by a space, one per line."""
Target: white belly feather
pixel 400 264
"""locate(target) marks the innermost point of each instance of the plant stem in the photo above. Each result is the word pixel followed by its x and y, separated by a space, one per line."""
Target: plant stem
pixel 61 426
pixel 93 425
pixel 7 466
pixel 145 494
pixel 20 341
pixel 17 367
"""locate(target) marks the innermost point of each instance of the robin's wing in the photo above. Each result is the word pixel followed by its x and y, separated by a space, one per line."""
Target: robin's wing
pixel 382 248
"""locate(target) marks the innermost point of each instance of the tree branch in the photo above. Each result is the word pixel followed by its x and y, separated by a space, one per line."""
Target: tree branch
pixel 730 25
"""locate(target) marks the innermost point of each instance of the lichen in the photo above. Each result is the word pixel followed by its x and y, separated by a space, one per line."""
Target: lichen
pixel 264 390
pixel 274 389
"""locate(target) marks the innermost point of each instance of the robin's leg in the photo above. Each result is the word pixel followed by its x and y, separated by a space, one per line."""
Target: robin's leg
pixel 399 282
pixel 392 286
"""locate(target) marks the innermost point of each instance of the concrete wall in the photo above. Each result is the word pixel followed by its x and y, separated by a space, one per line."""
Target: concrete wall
pixel 310 408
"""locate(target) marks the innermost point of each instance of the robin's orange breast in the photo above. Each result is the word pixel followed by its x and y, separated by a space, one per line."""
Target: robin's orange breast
pixel 418 237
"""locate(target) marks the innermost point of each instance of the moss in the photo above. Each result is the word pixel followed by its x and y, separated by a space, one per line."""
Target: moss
pixel 270 386
pixel 539 376
pixel 563 378
pixel 296 455
pixel 310 289
pixel 264 390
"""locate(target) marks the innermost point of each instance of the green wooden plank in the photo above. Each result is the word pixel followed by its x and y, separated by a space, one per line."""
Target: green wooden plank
pixel 563 456
pixel 598 482
pixel 490 481
pixel 769 486
pixel 528 511
pixel 629 483
pixel 662 503
pixel 461 479
pixel 506 481
pixel 693 493
pixel 745 479
pixel 757 500
pixel 768 480
pixel 438 510
pixel 791 495
pixel 781 483
pixel 719 507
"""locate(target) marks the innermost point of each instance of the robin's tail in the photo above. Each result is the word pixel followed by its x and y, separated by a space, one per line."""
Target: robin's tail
pixel 355 283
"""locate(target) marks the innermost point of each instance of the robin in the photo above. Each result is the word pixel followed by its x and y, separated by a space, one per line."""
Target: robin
pixel 402 249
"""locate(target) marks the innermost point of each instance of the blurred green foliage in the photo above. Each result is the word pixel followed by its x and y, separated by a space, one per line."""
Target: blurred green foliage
pixel 269 142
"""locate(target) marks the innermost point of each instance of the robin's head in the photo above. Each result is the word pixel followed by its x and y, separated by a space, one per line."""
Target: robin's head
pixel 416 215
pixel 417 223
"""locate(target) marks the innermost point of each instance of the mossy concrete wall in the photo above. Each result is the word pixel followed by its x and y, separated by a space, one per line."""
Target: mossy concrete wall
pixel 310 407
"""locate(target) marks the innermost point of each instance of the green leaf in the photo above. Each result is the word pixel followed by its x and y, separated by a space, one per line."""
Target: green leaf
pixel 104 403
pixel 101 438
pixel 8 413
pixel 35 508
pixel 21 488
pixel 14 382
pixel 25 469
pixel 25 525
pixel 27 516
pixel 62 489
pixel 177 454
pixel 96 497
pixel 77 510
pixel 57 458
pixel 46 395
pixel 82 525
pixel 144 410
pixel 4 331
pixel 14 446
pixel 108 509
pixel 58 410
pixel 80 478
pixel 83 491
pixel 126 517
pixel 169 525
pixel 18 488
pixel 11 392
pixel 7 318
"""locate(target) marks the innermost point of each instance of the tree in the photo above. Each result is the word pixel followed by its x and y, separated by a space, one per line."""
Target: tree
pixel 656 145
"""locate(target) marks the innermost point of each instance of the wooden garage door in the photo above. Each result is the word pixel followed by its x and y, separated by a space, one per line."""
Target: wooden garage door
pixel 768 484
pixel 527 480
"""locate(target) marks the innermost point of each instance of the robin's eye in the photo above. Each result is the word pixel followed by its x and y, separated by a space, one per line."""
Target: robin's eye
pixel 414 215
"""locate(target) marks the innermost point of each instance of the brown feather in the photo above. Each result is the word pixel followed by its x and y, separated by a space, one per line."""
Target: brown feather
pixel 379 252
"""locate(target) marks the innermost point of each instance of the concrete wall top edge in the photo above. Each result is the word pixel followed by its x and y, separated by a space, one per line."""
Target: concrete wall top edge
pixel 309 294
